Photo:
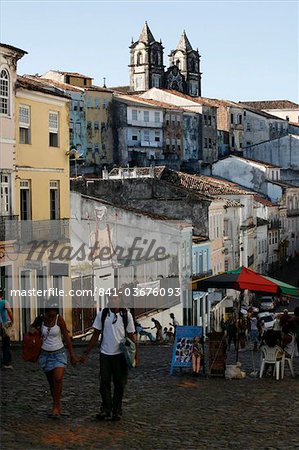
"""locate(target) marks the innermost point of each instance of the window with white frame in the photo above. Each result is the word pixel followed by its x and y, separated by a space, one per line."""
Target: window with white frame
pixel 4 92
pixel 97 102
pixel 157 136
pixel 25 200
pixel 157 117
pixel 105 103
pixel 4 194
pixel 134 114
pixel 146 135
pixel 54 200
pixel 53 129
pixel 24 124
pixel 146 116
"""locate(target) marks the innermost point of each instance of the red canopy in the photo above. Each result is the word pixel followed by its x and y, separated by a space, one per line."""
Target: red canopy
pixel 239 279
pixel 248 279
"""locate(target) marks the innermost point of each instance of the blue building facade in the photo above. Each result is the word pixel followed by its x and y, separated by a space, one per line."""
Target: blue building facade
pixel 77 125
pixel 201 258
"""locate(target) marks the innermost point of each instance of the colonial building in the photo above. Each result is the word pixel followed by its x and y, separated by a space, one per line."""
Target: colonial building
pixel 9 57
pixel 42 198
pixel 285 109
pixel 282 152
pixel 137 234
pixel 264 178
pixel 147 68
pixel 90 119
pixel 207 144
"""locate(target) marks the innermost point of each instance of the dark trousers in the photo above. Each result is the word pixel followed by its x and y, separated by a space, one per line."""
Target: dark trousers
pixel 232 337
pixel 6 360
pixel 112 368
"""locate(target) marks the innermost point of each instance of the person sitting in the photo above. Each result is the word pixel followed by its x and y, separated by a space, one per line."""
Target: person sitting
pixel 170 335
pixel 289 341
pixel 141 331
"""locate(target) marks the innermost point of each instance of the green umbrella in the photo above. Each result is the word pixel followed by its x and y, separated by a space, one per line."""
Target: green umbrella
pixel 285 288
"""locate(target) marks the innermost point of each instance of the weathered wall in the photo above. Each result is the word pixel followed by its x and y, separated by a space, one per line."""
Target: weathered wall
pixel 283 152
pixel 191 136
pixel 152 195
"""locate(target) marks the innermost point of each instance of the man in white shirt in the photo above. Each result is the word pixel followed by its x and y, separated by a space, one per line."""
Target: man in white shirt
pixel 113 323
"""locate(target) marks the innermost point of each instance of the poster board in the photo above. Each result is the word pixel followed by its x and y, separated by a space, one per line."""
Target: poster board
pixel 182 346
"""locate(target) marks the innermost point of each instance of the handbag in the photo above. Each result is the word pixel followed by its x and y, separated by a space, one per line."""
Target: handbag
pixel 32 345
pixel 128 349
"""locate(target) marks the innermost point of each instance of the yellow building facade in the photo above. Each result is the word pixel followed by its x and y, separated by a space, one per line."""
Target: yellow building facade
pixel 98 125
pixel 42 200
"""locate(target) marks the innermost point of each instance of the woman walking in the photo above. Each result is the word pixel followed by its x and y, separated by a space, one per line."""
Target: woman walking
pixel 53 359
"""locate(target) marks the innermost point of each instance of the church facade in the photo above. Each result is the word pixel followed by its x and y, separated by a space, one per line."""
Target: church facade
pixel 147 69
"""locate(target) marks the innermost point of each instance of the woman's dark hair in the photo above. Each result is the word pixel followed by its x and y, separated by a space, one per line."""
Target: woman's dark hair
pixel 51 304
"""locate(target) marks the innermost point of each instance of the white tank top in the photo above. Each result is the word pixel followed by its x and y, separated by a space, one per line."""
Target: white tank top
pixel 52 339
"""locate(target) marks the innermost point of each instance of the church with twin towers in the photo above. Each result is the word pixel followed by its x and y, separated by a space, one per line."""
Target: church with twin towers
pixel 147 69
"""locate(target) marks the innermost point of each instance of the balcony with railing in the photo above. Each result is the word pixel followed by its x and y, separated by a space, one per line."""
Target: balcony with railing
pixel 26 231
pixel 8 228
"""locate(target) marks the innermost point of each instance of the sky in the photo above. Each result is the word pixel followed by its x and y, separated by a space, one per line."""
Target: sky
pixel 249 50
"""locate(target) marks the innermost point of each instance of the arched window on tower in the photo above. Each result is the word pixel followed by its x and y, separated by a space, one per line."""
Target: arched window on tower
pixel 192 65
pixel 139 58
pixel 4 92
pixel 178 63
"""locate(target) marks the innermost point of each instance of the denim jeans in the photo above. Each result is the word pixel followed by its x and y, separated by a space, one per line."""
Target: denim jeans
pixel 112 368
pixel 6 359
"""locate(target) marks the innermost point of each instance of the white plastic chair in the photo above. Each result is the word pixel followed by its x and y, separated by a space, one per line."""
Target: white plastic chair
pixel 270 356
pixel 290 362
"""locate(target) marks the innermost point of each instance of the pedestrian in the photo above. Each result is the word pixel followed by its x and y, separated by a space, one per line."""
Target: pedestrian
pixel 6 322
pixel 284 318
pixel 222 324
pixel 242 327
pixel 174 323
pixel 53 359
pixel 196 355
pixel 170 335
pixel 295 324
pixel 254 331
pixel 159 333
pixel 112 323
pixel 232 332
pixel 142 331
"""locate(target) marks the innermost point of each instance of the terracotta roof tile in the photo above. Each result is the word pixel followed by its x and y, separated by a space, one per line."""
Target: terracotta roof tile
pixel 256 161
pixel 271 104
pixel 60 85
pixel 74 74
pixel 40 86
pixel 205 100
pixel 147 102
pixel 264 201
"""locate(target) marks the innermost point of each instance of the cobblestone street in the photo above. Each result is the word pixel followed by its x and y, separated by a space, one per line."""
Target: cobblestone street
pixel 160 411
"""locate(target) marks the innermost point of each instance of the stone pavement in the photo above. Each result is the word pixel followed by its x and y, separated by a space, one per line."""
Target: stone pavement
pixel 160 411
